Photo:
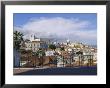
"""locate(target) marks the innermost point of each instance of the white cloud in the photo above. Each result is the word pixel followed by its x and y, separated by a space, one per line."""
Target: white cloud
pixel 59 27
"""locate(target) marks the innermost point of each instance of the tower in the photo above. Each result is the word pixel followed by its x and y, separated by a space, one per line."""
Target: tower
pixel 32 37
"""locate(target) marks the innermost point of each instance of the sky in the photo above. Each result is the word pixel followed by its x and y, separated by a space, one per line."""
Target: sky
pixel 77 27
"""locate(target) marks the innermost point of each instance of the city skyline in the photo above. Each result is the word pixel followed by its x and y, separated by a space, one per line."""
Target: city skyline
pixel 77 27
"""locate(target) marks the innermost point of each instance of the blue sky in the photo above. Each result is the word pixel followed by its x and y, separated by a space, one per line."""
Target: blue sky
pixel 85 24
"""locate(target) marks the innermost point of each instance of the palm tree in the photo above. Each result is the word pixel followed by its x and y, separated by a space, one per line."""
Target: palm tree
pixel 40 53
pixel 18 38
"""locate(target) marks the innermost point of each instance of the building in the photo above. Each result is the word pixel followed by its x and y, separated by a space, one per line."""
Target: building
pixel 35 43
pixel 50 53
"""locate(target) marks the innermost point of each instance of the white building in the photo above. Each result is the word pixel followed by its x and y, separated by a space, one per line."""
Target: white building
pixel 35 43
pixel 49 53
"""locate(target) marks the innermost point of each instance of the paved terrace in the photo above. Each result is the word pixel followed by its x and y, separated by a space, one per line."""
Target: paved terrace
pixel 57 71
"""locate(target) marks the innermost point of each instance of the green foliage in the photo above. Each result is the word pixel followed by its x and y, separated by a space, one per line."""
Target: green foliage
pixel 40 53
pixel 51 46
pixel 62 48
pixel 18 38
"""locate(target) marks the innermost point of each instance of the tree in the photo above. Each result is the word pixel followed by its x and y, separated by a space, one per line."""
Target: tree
pixel 18 38
pixel 51 46
pixel 40 53
pixel 62 48
pixel 79 53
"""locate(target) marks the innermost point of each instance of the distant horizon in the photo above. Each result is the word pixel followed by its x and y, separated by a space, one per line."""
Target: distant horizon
pixel 81 27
